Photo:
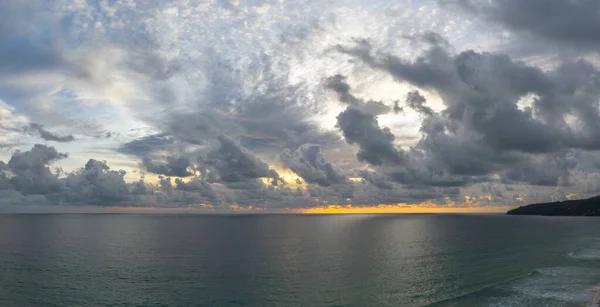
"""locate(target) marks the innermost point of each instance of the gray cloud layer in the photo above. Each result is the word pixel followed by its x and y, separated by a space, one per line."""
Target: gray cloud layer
pixel 309 162
pixel 572 23
pixel 484 132
pixel 338 84
pixel 229 174
pixel 38 129
pixel 222 109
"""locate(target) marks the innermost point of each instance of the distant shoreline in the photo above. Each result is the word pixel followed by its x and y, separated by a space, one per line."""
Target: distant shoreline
pixel 581 207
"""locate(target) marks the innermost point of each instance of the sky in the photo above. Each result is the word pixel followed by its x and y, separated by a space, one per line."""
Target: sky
pixel 309 106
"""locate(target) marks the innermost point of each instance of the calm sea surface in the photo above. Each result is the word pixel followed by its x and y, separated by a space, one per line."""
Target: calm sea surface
pixel 293 260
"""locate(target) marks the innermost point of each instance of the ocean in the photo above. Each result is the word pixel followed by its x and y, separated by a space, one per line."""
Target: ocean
pixel 297 260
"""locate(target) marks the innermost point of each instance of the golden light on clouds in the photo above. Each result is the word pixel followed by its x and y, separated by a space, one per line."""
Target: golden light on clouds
pixel 572 196
pixel 291 179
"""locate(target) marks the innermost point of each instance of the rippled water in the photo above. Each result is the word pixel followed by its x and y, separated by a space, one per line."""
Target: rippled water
pixel 293 260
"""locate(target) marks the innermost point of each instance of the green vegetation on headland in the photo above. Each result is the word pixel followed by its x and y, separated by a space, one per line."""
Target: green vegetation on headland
pixel 582 207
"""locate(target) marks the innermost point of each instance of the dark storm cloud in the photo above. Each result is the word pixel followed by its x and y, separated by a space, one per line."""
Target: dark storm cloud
pixel 431 69
pixel 223 160
pixel 339 84
pixel 546 170
pixel 234 163
pixel 376 179
pixel 441 150
pixel 28 179
pixel 37 129
pixel 173 166
pixel 376 144
pixel 96 184
pixel 31 174
pixel 416 101
pixel 494 190
pixel 481 92
pixel 572 23
pixel 146 145
pixel 485 128
pixel 196 191
pixel 309 162
pixel 421 166
pixel 439 159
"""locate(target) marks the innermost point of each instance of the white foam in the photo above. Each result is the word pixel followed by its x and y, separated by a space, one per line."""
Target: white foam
pixel 585 254
pixel 560 284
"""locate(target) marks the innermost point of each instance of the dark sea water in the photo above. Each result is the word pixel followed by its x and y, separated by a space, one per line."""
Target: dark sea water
pixel 293 260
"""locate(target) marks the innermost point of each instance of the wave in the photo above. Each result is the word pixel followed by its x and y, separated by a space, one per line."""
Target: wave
pixel 575 251
pixel 588 251
pixel 478 290
pixel 552 286
pixel 585 254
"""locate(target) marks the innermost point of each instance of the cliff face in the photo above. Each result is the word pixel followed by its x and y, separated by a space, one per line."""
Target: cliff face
pixel 582 207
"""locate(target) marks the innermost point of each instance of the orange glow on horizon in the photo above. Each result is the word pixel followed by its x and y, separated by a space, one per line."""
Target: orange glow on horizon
pixel 330 209
pixel 399 209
